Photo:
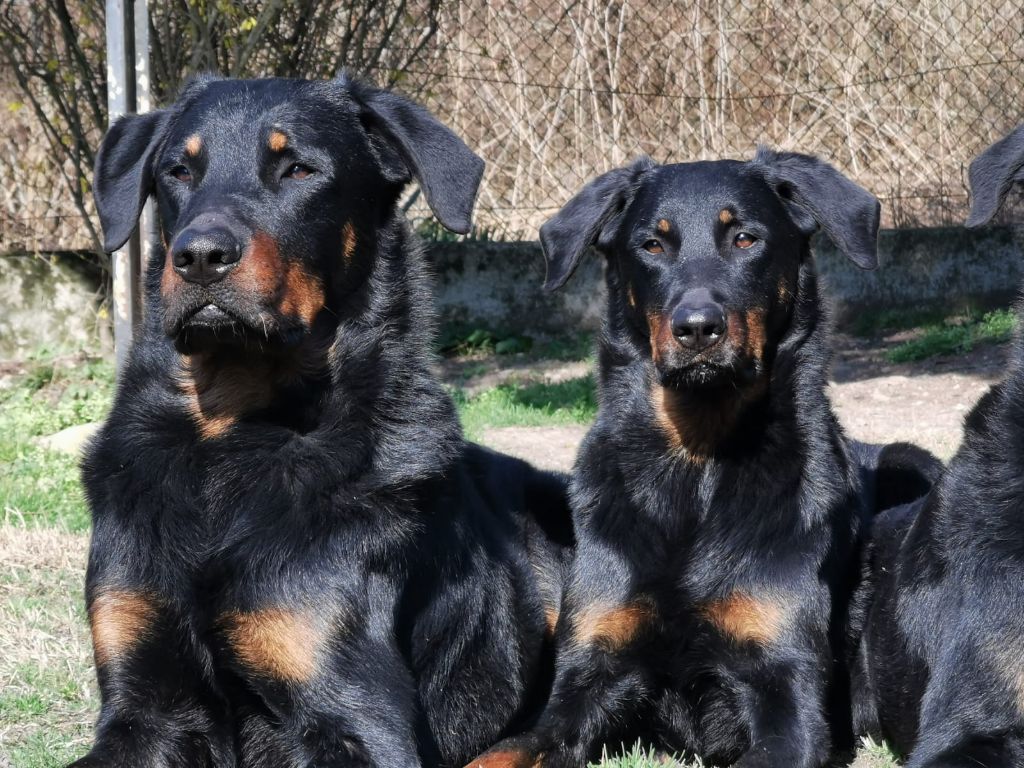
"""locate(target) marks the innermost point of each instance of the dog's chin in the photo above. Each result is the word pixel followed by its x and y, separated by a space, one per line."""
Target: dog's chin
pixel 211 327
pixel 700 375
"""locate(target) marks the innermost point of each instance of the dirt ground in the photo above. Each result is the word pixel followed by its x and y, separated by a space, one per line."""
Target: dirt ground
pixel 876 401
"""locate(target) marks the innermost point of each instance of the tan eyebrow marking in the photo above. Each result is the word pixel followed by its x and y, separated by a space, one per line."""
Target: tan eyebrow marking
pixel 725 216
pixel 277 141
pixel 194 145
pixel 664 226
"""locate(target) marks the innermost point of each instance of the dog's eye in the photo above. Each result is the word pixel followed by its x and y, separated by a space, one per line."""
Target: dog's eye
pixel 297 171
pixel 181 173
pixel 653 246
pixel 744 240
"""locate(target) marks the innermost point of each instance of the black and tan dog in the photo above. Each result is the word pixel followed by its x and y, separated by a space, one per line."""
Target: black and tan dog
pixel 296 559
pixel 940 669
pixel 716 501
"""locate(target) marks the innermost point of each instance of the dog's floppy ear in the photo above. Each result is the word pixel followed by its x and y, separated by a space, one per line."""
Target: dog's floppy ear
pixel 123 176
pixel 817 195
pixel 446 169
pixel 586 221
pixel 993 173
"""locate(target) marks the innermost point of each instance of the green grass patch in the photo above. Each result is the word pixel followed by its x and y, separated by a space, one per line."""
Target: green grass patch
pixel 886 321
pixel 955 336
pixel 528 405
pixel 39 486
pixel 464 340
pixel 640 757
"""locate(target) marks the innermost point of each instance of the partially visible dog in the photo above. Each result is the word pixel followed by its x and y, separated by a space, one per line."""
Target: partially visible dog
pixel 296 560
pixel 717 503
pixel 940 666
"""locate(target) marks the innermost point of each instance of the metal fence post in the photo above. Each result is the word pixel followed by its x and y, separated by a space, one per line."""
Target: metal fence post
pixel 127 30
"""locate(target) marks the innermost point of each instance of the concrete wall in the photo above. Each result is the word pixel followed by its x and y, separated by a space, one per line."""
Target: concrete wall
pixel 497 285
pixel 52 301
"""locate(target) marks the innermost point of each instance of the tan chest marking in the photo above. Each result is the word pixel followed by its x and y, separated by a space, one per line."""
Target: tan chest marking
pixel 217 396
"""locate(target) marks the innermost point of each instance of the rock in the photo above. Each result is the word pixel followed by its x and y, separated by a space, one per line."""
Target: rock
pixel 71 440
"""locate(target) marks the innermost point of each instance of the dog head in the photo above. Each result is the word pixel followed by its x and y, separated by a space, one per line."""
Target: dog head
pixel 993 173
pixel 269 193
pixel 704 258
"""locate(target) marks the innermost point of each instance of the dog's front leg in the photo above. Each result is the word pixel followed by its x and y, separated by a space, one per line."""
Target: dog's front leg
pixel 602 681
pixel 328 668
pixel 785 706
pixel 158 706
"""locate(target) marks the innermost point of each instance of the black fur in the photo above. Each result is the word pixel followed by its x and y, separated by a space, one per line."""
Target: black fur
pixel 296 559
pixel 717 503
pixel 940 666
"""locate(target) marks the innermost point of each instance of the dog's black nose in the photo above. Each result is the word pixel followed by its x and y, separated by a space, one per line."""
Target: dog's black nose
pixel 205 256
pixel 700 325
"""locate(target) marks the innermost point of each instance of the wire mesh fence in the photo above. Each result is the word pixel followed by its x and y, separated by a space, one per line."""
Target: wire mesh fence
pixel 900 95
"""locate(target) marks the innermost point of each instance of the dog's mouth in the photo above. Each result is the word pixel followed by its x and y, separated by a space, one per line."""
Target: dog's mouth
pixel 206 324
pixel 716 368
pixel 203 322
pixel 209 316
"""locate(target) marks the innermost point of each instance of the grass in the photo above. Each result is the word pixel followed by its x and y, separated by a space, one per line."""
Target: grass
pixel 48 699
pixel 954 336
pixel 470 341
pixel 886 321
pixel 39 486
pixel 528 405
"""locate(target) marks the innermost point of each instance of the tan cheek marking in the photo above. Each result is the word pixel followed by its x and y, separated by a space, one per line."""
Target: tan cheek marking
pixel 631 296
pixel 303 296
pixel 612 628
pixel 725 216
pixel 661 333
pixel 260 268
pixel 119 620
pixel 277 141
pixel 169 279
pixel 747 619
pixel 664 226
pixel 507 759
pixel 281 644
pixel 194 145
pixel 348 242
pixel 756 333
pixel 738 331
